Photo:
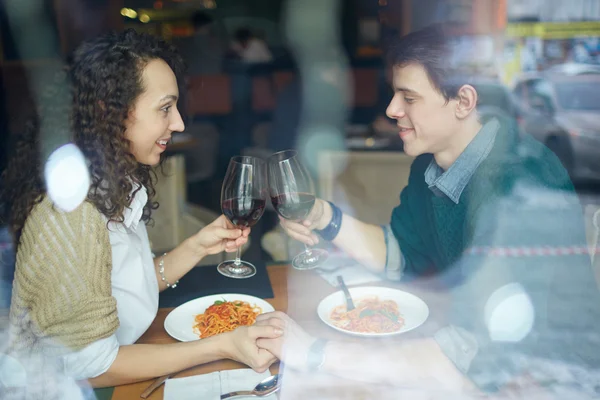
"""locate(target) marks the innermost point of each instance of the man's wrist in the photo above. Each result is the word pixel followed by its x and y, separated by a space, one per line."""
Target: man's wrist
pixel 327 215
pixel 331 230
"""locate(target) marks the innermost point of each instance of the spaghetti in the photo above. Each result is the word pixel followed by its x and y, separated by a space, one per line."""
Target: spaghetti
pixel 371 315
pixel 225 316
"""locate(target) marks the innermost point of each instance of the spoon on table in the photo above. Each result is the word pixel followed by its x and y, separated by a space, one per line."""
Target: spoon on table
pixel 265 387
pixel 349 302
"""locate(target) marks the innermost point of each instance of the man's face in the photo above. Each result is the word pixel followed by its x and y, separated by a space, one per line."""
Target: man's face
pixel 427 122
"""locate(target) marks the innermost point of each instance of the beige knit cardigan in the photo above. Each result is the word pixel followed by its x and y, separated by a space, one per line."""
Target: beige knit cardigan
pixel 62 297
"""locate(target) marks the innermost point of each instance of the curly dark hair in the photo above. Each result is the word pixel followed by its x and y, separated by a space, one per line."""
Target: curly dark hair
pixel 105 79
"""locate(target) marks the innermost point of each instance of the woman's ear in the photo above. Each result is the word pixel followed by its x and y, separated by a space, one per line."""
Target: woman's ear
pixel 467 101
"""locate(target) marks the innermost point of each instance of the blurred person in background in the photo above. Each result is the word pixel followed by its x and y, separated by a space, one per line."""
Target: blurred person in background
pixel 286 117
pixel 86 283
pixel 580 53
pixel 249 48
pixel 528 57
pixel 203 52
pixel 491 219
pixel 382 124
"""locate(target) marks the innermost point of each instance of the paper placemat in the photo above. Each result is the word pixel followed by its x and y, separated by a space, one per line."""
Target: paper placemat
pixel 352 272
pixel 206 281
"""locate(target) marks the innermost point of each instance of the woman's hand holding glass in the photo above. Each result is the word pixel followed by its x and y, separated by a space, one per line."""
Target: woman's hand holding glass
pixel 218 236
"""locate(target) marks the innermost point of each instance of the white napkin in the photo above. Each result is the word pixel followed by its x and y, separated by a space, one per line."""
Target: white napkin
pixel 243 379
pixel 352 272
pixel 212 386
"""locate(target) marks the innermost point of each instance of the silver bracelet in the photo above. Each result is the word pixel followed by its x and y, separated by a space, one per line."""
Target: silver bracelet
pixel 161 271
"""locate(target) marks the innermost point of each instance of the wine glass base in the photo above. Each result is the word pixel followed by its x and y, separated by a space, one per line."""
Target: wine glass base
pixel 310 259
pixel 242 270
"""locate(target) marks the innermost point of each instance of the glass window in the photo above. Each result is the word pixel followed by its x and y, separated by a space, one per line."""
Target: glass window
pixel 540 95
pixel 580 96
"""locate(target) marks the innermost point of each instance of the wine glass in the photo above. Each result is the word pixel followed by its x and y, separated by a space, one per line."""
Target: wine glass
pixel 293 196
pixel 243 199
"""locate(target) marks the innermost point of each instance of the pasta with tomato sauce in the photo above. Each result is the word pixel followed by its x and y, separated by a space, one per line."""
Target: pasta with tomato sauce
pixel 225 316
pixel 371 315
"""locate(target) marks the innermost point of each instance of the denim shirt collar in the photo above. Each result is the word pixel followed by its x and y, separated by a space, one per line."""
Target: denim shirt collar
pixel 453 181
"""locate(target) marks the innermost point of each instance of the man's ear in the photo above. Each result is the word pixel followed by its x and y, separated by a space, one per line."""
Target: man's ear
pixel 467 101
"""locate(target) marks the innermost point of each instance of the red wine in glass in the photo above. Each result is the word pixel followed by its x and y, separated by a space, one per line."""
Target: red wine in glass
pixel 243 199
pixel 245 212
pixel 293 206
pixel 293 196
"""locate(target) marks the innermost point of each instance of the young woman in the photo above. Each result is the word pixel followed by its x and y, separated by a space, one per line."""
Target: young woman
pixel 86 284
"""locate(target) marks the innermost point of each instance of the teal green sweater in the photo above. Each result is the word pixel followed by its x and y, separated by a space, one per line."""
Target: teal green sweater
pixel 519 197
pixel 433 231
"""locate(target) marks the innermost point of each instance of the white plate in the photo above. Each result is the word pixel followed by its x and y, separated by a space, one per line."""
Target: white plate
pixel 413 309
pixel 180 322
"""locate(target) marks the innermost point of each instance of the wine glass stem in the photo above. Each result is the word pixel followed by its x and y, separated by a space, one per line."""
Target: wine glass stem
pixel 308 249
pixel 238 260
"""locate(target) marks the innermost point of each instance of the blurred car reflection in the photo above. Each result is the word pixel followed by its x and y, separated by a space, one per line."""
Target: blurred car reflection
pixel 495 99
pixel 562 110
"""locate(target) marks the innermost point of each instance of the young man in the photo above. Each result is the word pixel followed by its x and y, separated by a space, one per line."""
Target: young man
pixel 493 217
pixel 249 48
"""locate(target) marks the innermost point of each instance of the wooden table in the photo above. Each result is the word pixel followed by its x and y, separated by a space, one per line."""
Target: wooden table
pixel 298 293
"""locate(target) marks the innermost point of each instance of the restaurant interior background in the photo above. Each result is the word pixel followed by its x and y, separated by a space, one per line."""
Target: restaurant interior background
pixel 340 128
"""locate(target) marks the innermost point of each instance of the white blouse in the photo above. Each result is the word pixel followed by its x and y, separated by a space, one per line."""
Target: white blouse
pixel 134 286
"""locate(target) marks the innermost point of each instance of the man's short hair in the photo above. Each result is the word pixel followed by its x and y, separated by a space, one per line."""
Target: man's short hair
pixel 430 48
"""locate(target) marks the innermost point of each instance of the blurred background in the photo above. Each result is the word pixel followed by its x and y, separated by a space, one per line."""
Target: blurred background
pixel 265 75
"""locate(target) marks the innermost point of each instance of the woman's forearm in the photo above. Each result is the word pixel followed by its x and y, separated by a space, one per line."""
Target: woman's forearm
pixel 177 263
pixel 139 362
